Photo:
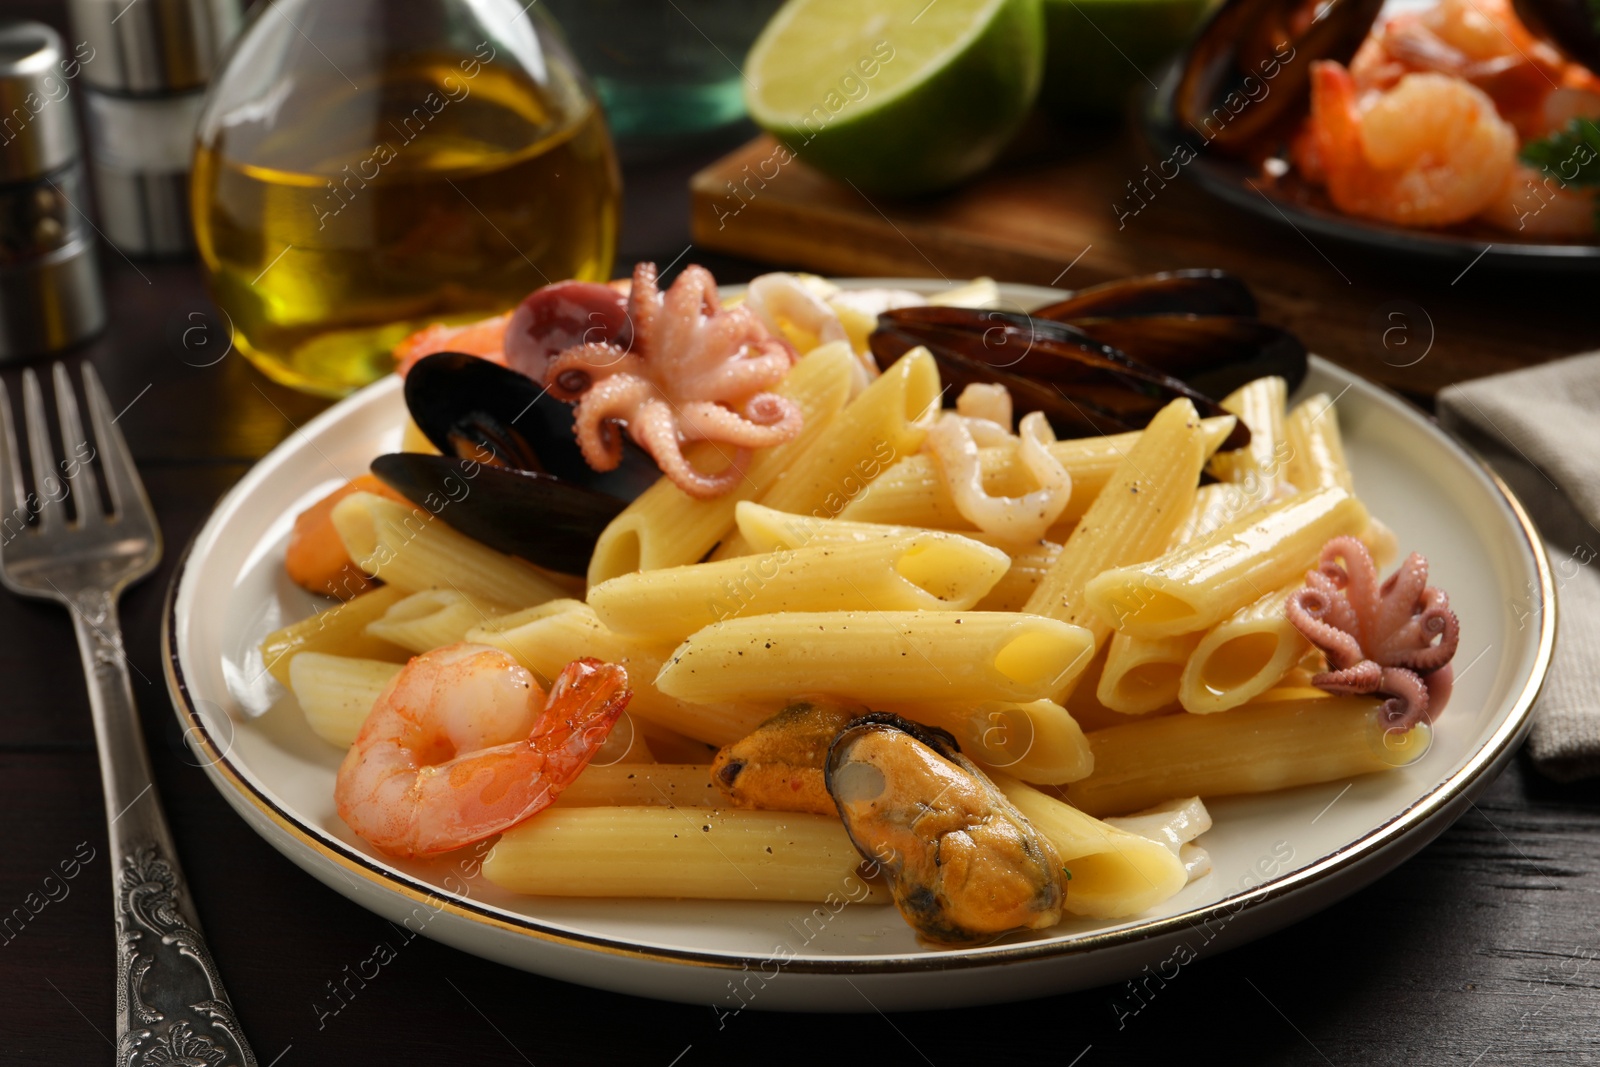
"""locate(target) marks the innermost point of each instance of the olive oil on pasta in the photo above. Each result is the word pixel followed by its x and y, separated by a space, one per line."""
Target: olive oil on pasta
pixel 439 196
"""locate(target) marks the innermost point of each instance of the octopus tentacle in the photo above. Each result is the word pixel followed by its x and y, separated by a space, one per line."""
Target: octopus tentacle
pixel 1308 610
pixel 570 374
pixel 1408 698
pixel 1400 594
pixel 593 420
pixel 1394 639
pixel 1360 576
pixel 644 306
pixel 1364 677
pixel 1418 652
pixel 1441 683
pixel 1335 609
pixel 657 434
pixel 746 376
pixel 774 421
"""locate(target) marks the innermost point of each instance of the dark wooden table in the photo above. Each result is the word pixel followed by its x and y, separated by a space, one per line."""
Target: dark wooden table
pixel 1484 949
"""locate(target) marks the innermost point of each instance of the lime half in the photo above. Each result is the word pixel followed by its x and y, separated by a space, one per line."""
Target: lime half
pixel 896 96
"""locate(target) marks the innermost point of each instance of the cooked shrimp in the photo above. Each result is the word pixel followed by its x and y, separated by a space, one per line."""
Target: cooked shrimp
pixel 1430 152
pixel 1479 41
pixel 463 744
pixel 484 338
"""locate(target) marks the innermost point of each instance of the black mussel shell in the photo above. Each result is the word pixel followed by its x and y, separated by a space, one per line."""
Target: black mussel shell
pixel 1570 25
pixel 1082 385
pixel 1177 292
pixel 1249 67
pixel 1212 353
pixel 538 517
pixel 475 409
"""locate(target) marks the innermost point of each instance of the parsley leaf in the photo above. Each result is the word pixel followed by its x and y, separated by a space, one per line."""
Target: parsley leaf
pixel 1571 156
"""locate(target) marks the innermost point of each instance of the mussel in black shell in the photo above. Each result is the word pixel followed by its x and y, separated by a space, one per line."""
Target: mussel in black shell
pixel 1175 292
pixel 539 517
pixel 1248 70
pixel 1107 358
pixel 963 863
pixel 475 409
pixel 1082 385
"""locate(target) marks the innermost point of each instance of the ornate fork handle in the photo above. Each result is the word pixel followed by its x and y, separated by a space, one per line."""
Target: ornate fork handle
pixel 171 1007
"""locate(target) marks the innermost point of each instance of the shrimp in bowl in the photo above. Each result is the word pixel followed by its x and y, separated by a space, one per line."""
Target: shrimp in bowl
pixel 1379 161
pixel 464 744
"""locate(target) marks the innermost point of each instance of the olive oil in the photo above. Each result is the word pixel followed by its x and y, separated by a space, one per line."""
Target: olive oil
pixel 446 194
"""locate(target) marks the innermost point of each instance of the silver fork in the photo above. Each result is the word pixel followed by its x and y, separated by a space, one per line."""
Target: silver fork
pixel 169 994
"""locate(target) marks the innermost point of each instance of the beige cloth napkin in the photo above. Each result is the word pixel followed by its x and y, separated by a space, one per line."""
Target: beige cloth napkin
pixel 1540 430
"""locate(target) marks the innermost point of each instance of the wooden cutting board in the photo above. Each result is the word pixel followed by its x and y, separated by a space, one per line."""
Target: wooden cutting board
pixel 1074 214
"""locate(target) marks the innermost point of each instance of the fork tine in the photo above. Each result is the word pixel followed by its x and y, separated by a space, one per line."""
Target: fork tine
pixel 52 511
pixel 85 487
pixel 11 498
pixel 122 478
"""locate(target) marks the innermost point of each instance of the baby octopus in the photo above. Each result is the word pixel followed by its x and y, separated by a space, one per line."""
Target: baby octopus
pixel 1396 638
pixel 692 371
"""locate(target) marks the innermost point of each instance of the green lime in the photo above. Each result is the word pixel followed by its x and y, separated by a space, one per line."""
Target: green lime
pixel 1097 51
pixel 896 96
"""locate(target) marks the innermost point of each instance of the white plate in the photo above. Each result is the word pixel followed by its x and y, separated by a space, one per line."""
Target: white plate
pixel 1278 857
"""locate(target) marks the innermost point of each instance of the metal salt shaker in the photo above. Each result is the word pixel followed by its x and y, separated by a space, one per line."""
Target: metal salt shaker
pixel 146 66
pixel 50 293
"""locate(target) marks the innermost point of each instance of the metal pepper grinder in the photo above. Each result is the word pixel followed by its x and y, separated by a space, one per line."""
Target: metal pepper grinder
pixel 50 293
pixel 146 66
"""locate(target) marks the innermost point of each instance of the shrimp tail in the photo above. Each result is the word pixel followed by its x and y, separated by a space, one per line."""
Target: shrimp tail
pixel 485 792
pixel 585 702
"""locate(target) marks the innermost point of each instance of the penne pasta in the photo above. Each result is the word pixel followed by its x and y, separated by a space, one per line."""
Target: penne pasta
pixel 1114 873
pixel 766 530
pixel 1036 742
pixel 643 785
pixel 1143 674
pixel 1252 749
pixel 340 630
pixel 1199 584
pixel 923 571
pixel 1029 564
pixel 877 657
pixel 427 620
pixel 548 637
pixel 693 853
pixel 414 550
pixel 1316 449
pixel 335 693
pixel 1131 521
pixel 1261 466
pixel 666 527
pixel 877 428
pixel 913 493
pixel 1214 506
pixel 1242 656
pixel 1316 461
